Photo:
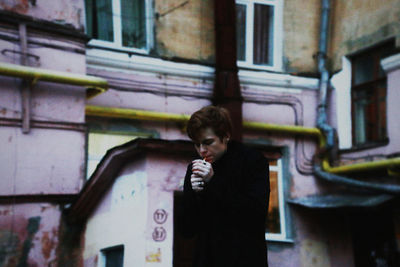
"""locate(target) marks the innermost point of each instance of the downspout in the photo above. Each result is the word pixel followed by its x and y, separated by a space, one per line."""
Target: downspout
pixel 322 122
pixel 329 132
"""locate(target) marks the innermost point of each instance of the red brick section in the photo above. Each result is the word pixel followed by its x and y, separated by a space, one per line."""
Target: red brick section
pixel 227 87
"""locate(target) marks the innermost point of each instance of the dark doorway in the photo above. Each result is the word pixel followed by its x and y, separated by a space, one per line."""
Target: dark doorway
pixel 374 239
pixel 183 247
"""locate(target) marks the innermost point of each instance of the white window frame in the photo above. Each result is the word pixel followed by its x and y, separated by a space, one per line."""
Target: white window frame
pixel 282 236
pixel 117 30
pixel 277 36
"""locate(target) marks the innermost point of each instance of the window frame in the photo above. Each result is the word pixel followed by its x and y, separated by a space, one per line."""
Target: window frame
pixel 277 35
pixel 117 31
pixel 283 235
pixel 367 87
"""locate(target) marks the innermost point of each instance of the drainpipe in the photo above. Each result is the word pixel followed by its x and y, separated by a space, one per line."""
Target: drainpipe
pixel 227 87
pixel 324 76
pixel 321 171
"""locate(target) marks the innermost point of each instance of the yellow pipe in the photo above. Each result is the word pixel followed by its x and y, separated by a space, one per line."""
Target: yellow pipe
pixel 287 129
pixel 283 129
pixel 364 166
pixel 169 117
pixel 96 85
pixel 135 114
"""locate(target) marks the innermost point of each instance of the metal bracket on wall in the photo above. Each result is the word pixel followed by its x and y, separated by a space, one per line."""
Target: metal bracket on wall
pixel 25 87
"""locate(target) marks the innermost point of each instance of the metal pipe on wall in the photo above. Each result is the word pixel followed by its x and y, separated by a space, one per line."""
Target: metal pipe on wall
pixel 310 132
pixel 95 85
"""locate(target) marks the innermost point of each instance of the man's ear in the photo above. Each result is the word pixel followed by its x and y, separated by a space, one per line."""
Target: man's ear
pixel 227 138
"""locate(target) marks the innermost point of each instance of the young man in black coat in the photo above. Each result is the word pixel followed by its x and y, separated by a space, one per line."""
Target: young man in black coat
pixel 226 195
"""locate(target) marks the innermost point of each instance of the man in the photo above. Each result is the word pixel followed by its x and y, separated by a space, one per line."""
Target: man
pixel 226 195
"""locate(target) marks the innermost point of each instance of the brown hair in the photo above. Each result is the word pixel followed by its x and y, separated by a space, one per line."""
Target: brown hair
pixel 217 118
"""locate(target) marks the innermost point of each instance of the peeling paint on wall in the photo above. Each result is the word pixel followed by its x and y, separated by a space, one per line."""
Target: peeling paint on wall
pixel 32 228
pixel 9 243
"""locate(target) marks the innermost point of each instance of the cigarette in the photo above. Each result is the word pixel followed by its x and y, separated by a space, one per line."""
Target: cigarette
pixel 204 161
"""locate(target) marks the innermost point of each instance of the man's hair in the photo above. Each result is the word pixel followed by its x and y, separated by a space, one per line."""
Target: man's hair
pixel 217 118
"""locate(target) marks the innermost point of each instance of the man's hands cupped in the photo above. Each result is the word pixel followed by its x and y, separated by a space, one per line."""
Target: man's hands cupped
pixel 202 172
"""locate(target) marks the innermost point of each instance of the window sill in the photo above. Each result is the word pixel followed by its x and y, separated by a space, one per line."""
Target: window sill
pixel 100 57
pixel 281 241
pixel 365 146
pixel 110 46
pixel 248 66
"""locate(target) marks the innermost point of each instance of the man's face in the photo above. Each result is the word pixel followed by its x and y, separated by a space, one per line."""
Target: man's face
pixel 209 146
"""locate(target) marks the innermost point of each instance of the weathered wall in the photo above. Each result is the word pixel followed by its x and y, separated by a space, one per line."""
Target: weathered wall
pixel 120 218
pixel 185 29
pixel 47 164
pixel 359 24
pixel 127 213
pixel 58 11
pixel 36 163
pixel 29 234
pixel 301 35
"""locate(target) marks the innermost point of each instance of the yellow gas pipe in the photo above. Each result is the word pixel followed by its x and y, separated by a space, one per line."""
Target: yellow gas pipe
pixel 388 164
pixel 95 85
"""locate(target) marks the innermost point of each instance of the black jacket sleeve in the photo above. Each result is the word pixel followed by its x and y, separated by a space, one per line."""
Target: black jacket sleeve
pixel 191 206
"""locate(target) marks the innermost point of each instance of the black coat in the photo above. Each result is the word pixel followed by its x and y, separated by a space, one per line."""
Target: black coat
pixel 228 216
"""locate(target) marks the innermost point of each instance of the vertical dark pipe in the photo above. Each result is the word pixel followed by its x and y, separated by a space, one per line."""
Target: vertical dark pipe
pixel 227 87
pixel 324 75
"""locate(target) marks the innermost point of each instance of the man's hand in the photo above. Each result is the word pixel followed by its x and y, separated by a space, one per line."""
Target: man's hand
pixel 197 183
pixel 202 169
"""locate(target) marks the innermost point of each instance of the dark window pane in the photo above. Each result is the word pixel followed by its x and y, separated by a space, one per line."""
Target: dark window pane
pixel 363 69
pixel 99 19
pixel 114 256
pixel 133 23
pixel 263 34
pixel 369 116
pixel 241 32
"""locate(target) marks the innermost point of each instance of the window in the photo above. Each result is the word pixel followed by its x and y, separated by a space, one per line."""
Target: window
pixel 368 95
pixel 112 257
pixel 258 33
pixel 121 24
pixel 104 134
pixel 276 223
pixel 99 143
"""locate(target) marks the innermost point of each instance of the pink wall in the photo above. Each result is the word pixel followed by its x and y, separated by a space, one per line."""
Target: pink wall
pixel 64 12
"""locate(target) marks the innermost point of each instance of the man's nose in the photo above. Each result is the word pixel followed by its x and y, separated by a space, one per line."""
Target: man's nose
pixel 203 149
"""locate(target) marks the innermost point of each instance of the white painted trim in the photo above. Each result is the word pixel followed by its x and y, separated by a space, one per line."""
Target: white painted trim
pixel 342 84
pixel 97 58
pixel 117 24
pixel 391 63
pixel 121 62
pixel 149 25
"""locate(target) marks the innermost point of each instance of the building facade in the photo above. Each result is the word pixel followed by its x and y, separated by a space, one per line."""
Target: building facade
pixel 331 205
